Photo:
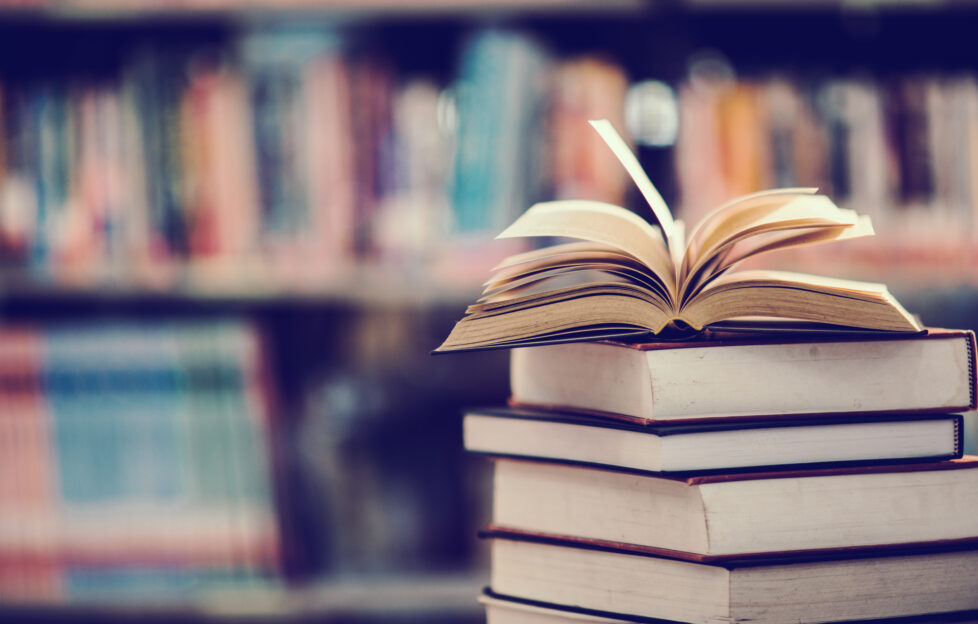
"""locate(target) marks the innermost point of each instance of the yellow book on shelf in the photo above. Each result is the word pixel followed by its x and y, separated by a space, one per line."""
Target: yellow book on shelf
pixel 625 275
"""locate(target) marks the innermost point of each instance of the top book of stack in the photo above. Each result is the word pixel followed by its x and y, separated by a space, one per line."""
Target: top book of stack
pixel 626 276
pixel 750 377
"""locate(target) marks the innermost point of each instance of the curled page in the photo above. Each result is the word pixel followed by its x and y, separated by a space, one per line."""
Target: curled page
pixel 649 192
pixel 602 223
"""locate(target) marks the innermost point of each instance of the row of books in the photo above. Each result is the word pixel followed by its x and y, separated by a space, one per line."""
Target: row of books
pixel 284 153
pixel 900 149
pixel 134 461
pixel 734 478
pixel 292 153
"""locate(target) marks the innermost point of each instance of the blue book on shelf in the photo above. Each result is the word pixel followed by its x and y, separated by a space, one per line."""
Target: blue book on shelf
pixel 499 103
pixel 276 62
pixel 157 80
pixel 50 151
pixel 86 439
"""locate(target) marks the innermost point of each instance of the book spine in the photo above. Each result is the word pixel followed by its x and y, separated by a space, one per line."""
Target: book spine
pixel 958 436
pixel 498 104
pixel 972 372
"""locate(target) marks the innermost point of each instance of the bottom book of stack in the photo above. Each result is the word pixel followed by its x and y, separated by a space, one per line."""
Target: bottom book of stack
pixel 605 578
pixel 506 610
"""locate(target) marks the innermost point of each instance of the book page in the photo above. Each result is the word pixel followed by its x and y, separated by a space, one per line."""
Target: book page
pixel 721 216
pixel 601 223
pixel 780 294
pixel 765 209
pixel 557 255
pixel 580 272
pixel 576 291
pixel 755 244
pixel 574 258
pixel 674 237
pixel 583 314
pixel 800 237
pixel 582 247
pixel 801 213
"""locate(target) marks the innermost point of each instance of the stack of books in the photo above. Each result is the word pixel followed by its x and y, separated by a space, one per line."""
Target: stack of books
pixel 734 479
pixel 792 453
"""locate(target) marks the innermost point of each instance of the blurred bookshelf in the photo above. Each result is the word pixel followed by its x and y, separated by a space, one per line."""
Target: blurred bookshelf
pixel 248 223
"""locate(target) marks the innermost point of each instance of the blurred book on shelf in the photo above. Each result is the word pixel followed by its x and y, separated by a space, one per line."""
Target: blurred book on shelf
pixel 135 462
pixel 586 88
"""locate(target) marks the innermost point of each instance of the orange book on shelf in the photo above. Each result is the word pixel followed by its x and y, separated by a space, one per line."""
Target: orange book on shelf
pixel 586 88
pixel 698 154
pixel 743 140
pixel 222 207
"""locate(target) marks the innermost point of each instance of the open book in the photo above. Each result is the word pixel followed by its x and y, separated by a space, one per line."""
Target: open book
pixel 625 275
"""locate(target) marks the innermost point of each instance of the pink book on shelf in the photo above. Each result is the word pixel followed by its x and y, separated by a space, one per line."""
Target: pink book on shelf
pixel 28 542
pixel 220 162
pixel 331 154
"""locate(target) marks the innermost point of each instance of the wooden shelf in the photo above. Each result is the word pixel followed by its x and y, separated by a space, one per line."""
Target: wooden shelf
pixel 190 9
pixel 423 597
pixel 903 267
pixel 372 286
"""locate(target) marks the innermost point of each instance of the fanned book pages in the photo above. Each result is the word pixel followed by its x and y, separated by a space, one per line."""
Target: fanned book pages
pixel 624 275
